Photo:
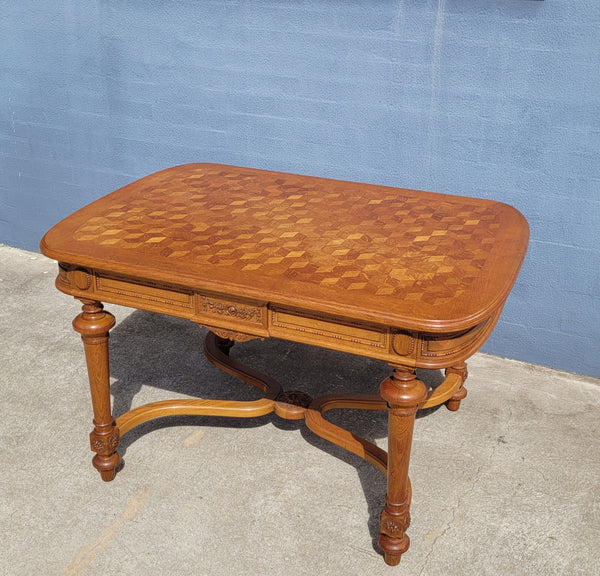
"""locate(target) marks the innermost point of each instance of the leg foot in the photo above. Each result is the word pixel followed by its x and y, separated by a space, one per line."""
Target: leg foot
pixel 395 520
pixel 94 325
pixel 453 404
pixel 403 393
pixel 104 441
pixel 394 548
pixel 108 475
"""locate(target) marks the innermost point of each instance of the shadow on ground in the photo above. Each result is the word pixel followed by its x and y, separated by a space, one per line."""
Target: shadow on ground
pixel 174 363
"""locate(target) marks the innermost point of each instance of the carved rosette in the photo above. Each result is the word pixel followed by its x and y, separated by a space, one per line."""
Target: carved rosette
pixel 104 444
pixel 394 527
pixel 403 344
pixel 395 520
pixel 81 279
pixel 73 277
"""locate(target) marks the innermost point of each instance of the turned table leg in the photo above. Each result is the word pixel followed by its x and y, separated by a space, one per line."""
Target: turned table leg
pixel 94 325
pixel 453 403
pixel 403 393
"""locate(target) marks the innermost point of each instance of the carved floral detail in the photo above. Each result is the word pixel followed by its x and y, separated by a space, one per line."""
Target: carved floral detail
pixel 231 334
pixel 392 528
pixel 234 310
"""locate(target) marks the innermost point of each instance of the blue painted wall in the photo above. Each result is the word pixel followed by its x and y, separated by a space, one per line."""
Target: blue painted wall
pixel 491 98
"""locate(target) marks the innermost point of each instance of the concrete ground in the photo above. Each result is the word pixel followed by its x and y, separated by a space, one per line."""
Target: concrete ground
pixel 509 484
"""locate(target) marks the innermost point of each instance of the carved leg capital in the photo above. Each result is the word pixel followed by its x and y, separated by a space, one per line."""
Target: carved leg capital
pixel 403 393
pixel 94 321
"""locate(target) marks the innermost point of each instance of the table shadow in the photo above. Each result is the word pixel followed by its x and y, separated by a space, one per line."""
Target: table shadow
pixel 166 353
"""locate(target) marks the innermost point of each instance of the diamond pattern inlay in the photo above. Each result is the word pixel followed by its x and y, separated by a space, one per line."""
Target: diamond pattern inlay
pixel 393 244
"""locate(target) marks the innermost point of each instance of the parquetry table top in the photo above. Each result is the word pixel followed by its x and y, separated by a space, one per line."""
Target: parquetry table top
pixel 376 253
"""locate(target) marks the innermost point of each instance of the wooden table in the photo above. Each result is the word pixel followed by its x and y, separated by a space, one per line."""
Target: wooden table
pixel 413 278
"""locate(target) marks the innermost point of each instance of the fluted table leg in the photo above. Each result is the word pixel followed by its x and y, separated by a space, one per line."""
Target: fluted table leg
pixel 403 393
pixel 94 325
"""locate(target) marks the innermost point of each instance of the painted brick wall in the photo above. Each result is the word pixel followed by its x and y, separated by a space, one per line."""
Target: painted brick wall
pixel 491 98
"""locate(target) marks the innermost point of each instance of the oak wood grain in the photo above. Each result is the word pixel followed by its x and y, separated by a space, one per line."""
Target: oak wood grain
pixel 413 278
